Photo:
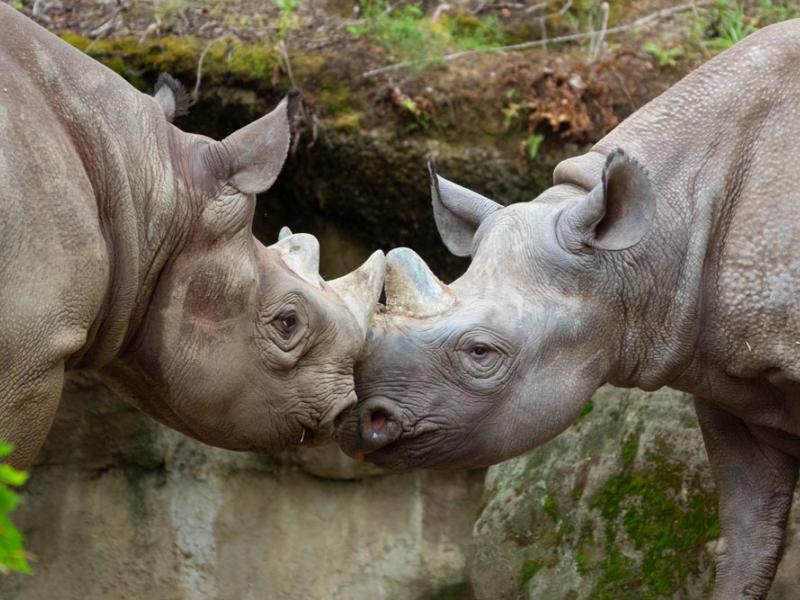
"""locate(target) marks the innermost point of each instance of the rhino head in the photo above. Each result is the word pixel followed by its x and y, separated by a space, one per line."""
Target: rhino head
pixel 504 358
pixel 241 345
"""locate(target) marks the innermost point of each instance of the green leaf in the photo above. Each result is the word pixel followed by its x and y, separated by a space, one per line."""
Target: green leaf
pixel 12 552
pixel 5 449
pixel 534 141
pixel 11 476
pixel 8 500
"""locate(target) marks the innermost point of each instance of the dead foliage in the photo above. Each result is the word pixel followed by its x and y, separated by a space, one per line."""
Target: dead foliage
pixel 571 101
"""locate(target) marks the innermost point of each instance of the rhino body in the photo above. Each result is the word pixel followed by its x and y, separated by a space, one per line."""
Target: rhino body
pixel 126 250
pixel 668 255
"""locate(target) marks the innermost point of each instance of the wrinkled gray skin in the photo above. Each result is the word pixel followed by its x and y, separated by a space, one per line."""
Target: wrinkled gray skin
pixel 667 255
pixel 126 248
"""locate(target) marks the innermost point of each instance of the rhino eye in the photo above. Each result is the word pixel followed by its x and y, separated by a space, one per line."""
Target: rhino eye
pixel 479 351
pixel 286 323
pixel 482 354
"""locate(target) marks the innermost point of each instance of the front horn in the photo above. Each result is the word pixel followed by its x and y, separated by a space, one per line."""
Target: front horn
pixel 361 289
pixel 411 286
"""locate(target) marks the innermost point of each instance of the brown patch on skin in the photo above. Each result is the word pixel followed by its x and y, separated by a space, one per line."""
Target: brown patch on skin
pixel 206 287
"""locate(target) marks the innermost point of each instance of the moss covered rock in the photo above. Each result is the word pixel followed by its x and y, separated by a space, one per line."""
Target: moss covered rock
pixel 621 505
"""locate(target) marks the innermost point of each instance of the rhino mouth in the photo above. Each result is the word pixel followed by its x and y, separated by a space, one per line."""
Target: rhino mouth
pixel 312 436
pixel 322 430
pixel 373 428
pixel 308 438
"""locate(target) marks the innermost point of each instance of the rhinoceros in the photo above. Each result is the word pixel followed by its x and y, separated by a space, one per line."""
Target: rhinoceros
pixel 668 255
pixel 126 250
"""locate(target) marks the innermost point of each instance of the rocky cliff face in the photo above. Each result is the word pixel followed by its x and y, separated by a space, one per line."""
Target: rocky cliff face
pixel 620 506
pixel 119 507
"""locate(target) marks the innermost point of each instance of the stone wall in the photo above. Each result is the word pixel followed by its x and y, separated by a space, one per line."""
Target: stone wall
pixel 119 507
pixel 620 506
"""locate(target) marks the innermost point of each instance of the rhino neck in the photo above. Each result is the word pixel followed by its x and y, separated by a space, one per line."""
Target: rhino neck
pixel 143 212
pixel 699 142
pixel 669 298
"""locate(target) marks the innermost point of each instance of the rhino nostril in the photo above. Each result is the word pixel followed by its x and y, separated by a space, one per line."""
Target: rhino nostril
pixel 377 420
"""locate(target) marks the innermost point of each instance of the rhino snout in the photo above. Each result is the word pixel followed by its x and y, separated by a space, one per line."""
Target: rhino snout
pixel 379 423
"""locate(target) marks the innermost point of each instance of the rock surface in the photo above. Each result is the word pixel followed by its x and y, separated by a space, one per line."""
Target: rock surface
pixel 620 506
pixel 119 507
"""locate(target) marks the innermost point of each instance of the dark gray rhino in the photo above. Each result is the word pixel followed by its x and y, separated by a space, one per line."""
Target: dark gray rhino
pixel 126 249
pixel 668 255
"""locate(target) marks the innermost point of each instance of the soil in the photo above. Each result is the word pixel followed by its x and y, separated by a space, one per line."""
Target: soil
pixel 359 165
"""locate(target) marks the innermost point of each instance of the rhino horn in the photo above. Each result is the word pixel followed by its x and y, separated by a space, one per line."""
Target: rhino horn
pixel 300 252
pixel 361 289
pixel 412 287
pixel 284 233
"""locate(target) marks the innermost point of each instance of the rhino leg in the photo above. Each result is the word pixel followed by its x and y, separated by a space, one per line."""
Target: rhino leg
pixel 28 403
pixel 755 483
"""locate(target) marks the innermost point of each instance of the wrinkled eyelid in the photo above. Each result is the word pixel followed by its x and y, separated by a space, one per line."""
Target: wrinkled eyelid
pixel 292 301
pixel 483 337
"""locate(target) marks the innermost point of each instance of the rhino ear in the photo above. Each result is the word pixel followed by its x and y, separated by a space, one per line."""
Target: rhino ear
pixel 171 97
pixel 458 212
pixel 254 155
pixel 616 214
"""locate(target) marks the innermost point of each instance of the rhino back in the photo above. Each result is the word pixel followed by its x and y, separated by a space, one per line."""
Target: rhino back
pixel 82 155
pixel 720 147
pixel 52 265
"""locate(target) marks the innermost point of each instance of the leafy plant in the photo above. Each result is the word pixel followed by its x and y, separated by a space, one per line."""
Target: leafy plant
pixel 408 34
pixel 772 11
pixel 727 22
pixel 418 109
pixel 666 57
pixel 287 20
pixel 12 553
pixel 514 112
pixel 166 12
pixel 534 141
pixel 732 25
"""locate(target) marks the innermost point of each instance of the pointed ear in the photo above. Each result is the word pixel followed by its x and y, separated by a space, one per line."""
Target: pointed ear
pixel 458 212
pixel 616 214
pixel 171 97
pixel 255 154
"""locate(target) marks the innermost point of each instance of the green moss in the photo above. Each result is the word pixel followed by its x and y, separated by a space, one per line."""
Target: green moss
pixel 582 562
pixel 549 506
pixel 587 408
pixel 529 570
pixel 335 98
pixel 348 120
pixel 669 529
pixel 78 41
pixel 252 61
pixel 225 59
pixel 307 65
pixel 630 447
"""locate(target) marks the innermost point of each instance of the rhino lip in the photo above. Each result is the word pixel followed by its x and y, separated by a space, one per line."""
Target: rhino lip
pixel 311 438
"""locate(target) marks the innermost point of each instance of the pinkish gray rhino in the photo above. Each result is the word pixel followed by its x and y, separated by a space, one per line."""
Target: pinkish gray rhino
pixel 126 249
pixel 668 255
